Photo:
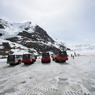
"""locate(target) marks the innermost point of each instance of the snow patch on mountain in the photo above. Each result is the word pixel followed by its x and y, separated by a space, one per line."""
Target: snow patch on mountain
pixel 11 30
pixel 16 48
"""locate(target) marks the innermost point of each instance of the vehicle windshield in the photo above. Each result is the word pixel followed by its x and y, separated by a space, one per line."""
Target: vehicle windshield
pixel 45 55
pixel 62 54
pixel 11 57
pixel 26 56
pixel 18 56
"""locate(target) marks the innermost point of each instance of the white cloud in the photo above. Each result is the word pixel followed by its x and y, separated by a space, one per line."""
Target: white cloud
pixel 60 18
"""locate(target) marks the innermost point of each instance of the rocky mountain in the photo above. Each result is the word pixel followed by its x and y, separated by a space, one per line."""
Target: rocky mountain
pixel 27 37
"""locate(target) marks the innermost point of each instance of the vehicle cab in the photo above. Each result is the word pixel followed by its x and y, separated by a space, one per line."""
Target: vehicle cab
pixel 28 58
pixel 45 57
pixel 14 59
pixel 61 56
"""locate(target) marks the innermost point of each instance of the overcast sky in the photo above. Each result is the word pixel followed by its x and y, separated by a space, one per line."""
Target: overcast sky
pixel 67 20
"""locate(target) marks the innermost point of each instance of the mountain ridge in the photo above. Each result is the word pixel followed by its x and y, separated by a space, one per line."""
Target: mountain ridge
pixel 33 37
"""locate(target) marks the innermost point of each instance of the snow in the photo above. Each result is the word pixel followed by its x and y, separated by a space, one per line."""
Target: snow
pixel 17 51
pixel 75 77
pixel 82 49
pixel 18 48
pixel 12 44
pixel 11 30
pixel 1 47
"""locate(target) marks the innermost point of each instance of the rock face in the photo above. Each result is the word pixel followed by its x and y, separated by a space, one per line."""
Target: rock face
pixel 32 37
pixel 43 34
pixel 1 34
pixel 5 48
pixel 1 26
pixel 39 40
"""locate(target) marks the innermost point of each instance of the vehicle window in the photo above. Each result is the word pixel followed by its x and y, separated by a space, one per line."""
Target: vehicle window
pixel 26 56
pixel 11 57
pixel 32 55
pixel 45 55
pixel 62 54
pixel 18 56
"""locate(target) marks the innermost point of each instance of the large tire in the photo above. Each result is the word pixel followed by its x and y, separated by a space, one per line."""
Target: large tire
pixel 26 63
pixel 32 62
pixel 19 61
pixel 42 61
pixel 11 64
pixel 64 61
pixel 49 61
pixel 53 59
pixel 56 60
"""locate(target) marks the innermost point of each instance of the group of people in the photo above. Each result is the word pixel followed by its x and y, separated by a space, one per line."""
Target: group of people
pixel 73 55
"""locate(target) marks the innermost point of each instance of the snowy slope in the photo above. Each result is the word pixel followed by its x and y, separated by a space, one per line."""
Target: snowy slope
pixel 11 30
pixel 15 48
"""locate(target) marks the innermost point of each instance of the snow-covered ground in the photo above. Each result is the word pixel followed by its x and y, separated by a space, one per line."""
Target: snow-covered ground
pixel 75 77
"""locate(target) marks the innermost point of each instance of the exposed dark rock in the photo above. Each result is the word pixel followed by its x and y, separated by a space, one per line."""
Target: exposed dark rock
pixel 43 34
pixel 38 39
pixel 40 47
pixel 25 34
pixel 38 35
pixel 1 26
pixel 27 28
pixel 1 34
pixel 6 46
pixel 13 39
pixel 6 49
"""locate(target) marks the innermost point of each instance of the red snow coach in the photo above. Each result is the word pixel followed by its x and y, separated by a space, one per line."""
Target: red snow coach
pixel 28 58
pixel 61 57
pixel 14 59
pixel 45 57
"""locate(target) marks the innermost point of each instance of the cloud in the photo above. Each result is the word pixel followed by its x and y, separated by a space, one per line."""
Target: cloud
pixel 63 19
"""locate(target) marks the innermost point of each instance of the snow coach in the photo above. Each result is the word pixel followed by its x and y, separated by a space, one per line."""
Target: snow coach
pixel 45 57
pixel 14 59
pixel 60 57
pixel 28 58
